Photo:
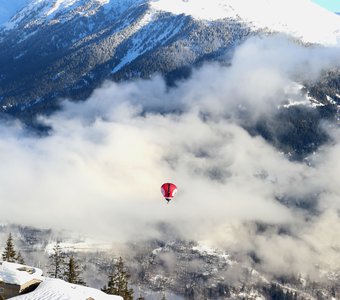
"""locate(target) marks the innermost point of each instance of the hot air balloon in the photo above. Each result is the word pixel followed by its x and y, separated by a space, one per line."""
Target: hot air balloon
pixel 168 190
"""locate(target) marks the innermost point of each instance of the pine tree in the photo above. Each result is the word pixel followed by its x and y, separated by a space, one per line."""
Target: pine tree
pixel 19 259
pixel 72 272
pixel 118 282
pixel 9 253
pixel 57 261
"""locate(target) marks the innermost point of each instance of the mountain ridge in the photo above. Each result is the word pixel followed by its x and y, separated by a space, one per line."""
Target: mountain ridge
pixel 284 16
pixel 67 48
pixel 78 55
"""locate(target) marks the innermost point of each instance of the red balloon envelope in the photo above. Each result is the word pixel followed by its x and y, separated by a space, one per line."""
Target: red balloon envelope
pixel 168 190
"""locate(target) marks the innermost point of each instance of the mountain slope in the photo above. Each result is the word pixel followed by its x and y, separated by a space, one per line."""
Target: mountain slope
pixel 186 269
pixel 86 43
pixel 66 48
pixel 303 19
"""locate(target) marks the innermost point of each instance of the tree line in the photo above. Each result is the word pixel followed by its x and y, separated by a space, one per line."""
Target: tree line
pixel 67 267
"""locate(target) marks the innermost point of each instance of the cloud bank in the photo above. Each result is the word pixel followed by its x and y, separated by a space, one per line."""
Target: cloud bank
pixel 100 170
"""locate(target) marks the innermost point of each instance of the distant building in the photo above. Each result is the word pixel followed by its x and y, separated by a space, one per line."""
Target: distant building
pixel 16 279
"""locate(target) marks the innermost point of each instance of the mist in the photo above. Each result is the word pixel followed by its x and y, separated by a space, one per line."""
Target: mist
pixel 100 169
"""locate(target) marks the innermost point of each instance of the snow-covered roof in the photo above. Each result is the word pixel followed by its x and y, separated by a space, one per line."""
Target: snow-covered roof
pixel 18 274
pixel 56 289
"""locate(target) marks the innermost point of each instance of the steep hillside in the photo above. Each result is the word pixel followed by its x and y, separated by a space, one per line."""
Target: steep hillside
pixel 66 48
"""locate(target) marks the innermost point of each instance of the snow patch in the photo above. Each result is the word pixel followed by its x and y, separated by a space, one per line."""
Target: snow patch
pixel 156 251
pixel 205 250
pixel 60 4
pixel 303 19
pixel 19 55
pixel 330 100
pixel 79 246
pixel 303 102
pixel 214 10
pixel 314 102
pixel 143 38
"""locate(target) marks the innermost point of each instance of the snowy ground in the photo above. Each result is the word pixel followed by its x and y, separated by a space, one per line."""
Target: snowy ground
pixel 18 274
pixel 49 289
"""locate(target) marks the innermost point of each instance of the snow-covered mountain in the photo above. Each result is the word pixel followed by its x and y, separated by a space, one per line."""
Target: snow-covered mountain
pixel 303 19
pixel 66 48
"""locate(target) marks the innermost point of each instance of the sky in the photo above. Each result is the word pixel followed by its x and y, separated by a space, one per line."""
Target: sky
pixel 332 5
pixel 8 8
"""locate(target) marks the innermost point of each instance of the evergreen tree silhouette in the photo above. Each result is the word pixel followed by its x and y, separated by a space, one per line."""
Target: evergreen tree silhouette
pixel 19 259
pixel 57 259
pixel 72 272
pixel 9 253
pixel 118 282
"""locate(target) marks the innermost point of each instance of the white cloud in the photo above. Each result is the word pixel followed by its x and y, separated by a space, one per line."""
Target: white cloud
pixel 100 170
